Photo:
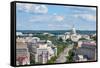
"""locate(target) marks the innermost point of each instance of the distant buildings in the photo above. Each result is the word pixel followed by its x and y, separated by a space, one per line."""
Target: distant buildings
pixel 86 37
pixel 73 36
pixel 19 33
pixel 70 35
pixel 30 49
pixel 49 34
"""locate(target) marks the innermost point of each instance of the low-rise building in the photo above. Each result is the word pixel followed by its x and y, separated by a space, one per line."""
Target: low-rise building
pixel 78 58
pixel 87 49
pixel 86 37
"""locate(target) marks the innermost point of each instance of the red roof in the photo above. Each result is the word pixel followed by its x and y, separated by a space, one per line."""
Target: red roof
pixel 21 58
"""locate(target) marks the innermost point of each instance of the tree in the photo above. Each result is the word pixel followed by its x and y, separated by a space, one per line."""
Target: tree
pixel 94 38
pixel 60 39
pixel 69 41
pixel 70 57
pixel 82 39
pixel 32 60
pixel 52 60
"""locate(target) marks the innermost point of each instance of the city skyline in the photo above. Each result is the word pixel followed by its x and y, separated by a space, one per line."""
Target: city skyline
pixel 54 17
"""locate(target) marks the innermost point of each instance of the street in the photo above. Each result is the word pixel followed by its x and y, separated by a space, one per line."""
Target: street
pixel 62 56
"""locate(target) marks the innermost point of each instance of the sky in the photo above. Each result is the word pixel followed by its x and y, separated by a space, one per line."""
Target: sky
pixel 54 17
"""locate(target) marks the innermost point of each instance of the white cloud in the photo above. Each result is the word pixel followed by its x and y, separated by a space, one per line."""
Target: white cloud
pixel 92 8
pixel 89 17
pixel 41 9
pixel 32 8
pixel 59 18
pixel 40 18
pixel 46 18
pixel 24 7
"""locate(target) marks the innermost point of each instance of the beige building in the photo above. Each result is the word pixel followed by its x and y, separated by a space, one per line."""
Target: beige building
pixel 22 53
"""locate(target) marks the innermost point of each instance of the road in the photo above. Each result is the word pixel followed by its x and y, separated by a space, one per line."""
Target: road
pixel 62 56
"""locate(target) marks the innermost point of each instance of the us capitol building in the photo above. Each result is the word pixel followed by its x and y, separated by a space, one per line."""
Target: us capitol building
pixel 70 35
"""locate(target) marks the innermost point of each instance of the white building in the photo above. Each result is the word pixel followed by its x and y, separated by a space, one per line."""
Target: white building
pixel 32 39
pixel 70 35
pixel 86 37
pixel 79 58
pixel 49 34
pixel 19 33
pixel 73 31
pixel 75 37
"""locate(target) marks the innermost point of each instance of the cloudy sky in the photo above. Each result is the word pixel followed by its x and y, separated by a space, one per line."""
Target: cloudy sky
pixel 54 17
